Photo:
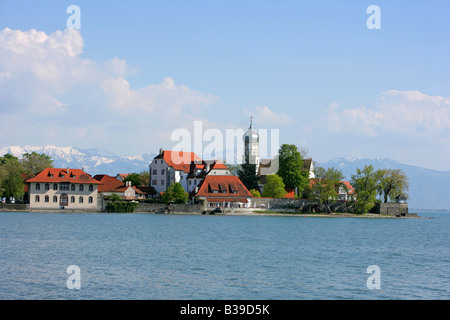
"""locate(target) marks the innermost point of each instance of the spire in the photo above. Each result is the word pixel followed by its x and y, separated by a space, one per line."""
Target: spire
pixel 251 120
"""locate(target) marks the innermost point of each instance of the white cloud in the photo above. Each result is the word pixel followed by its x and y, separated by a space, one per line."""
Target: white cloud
pixel 52 93
pixel 265 115
pixel 406 112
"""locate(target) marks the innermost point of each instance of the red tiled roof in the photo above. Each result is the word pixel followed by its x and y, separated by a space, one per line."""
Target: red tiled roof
pixel 109 184
pixel 290 193
pixel 226 199
pixel 350 188
pixel 179 160
pixel 57 175
pixel 229 184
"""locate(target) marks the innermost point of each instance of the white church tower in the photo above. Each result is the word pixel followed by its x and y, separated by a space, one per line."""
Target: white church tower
pixel 251 146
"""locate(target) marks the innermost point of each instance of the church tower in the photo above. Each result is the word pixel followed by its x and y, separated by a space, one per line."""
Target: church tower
pixel 251 146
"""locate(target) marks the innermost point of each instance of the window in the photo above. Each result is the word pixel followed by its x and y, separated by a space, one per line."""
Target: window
pixel 81 188
pixel 38 187
pixel 64 186
pixel 80 200
pixel 72 188
pixel 47 187
pixel 55 199
pixel 72 199
pixel 162 182
pixel 46 199
pixel 91 200
pixel 55 186
pixel 162 171
pixel 37 199
pixel 91 187
pixel 155 171
pixel 190 182
pixel 154 182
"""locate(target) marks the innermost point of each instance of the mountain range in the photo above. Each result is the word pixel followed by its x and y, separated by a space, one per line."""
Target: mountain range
pixel 428 188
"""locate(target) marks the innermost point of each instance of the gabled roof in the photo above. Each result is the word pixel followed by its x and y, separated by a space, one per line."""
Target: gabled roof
pixel 109 184
pixel 179 160
pixel 229 184
pixel 58 175
pixel 146 190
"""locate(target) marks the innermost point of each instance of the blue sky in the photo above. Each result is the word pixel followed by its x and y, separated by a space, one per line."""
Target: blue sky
pixel 138 70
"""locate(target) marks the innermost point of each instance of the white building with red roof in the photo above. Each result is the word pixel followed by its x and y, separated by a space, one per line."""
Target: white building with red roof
pixel 223 192
pixel 55 188
pixel 170 167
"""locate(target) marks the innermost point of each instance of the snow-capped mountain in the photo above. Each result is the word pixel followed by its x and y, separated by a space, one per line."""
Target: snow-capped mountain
pixel 93 161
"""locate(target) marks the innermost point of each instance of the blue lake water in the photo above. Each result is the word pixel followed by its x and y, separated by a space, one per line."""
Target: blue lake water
pixel 165 257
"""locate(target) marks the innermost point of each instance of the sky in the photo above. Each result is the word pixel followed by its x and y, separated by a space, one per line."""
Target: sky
pixel 126 75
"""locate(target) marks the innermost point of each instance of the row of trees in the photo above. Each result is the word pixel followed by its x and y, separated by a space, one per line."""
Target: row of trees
pixel 13 172
pixel 368 183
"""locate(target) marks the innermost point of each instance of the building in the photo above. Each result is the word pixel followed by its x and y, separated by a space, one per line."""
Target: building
pixel 199 170
pixel 170 167
pixel 111 185
pixel 223 192
pixel 55 188
pixel 346 191
pixel 122 176
pixel 251 146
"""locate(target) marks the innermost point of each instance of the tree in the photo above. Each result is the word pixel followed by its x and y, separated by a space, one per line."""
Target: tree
pixel 247 174
pixel 138 179
pixel 134 179
pixel 255 193
pixel 175 192
pixel 33 163
pixel 274 187
pixel 393 182
pixel 291 168
pixel 11 181
pixel 325 185
pixel 365 183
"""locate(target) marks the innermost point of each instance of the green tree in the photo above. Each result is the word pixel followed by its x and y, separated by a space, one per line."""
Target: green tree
pixel 247 174
pixel 274 187
pixel 33 163
pixel 393 182
pixel 175 192
pixel 11 181
pixel 291 168
pixel 133 178
pixel 255 193
pixel 325 185
pixel 365 182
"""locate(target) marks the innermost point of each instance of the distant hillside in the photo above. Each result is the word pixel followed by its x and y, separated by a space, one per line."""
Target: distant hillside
pixel 428 189
pixel 93 161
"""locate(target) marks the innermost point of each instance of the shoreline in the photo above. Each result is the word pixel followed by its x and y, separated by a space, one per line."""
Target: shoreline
pixel 255 213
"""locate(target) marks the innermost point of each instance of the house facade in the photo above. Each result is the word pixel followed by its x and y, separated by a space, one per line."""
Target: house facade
pixel 55 188
pixel 170 167
pixel 223 192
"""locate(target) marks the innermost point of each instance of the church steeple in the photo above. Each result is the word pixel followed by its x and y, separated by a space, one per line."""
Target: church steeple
pixel 251 145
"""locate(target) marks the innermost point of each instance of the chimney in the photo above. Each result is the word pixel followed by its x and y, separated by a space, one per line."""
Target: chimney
pixel 128 183
pixel 68 171
pixel 160 150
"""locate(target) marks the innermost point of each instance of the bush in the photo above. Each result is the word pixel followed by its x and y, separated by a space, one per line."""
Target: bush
pixel 121 207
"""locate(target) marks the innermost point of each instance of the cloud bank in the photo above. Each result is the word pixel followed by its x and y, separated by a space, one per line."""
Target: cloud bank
pixel 50 93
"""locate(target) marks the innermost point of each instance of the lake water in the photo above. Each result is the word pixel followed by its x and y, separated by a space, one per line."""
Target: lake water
pixel 166 257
